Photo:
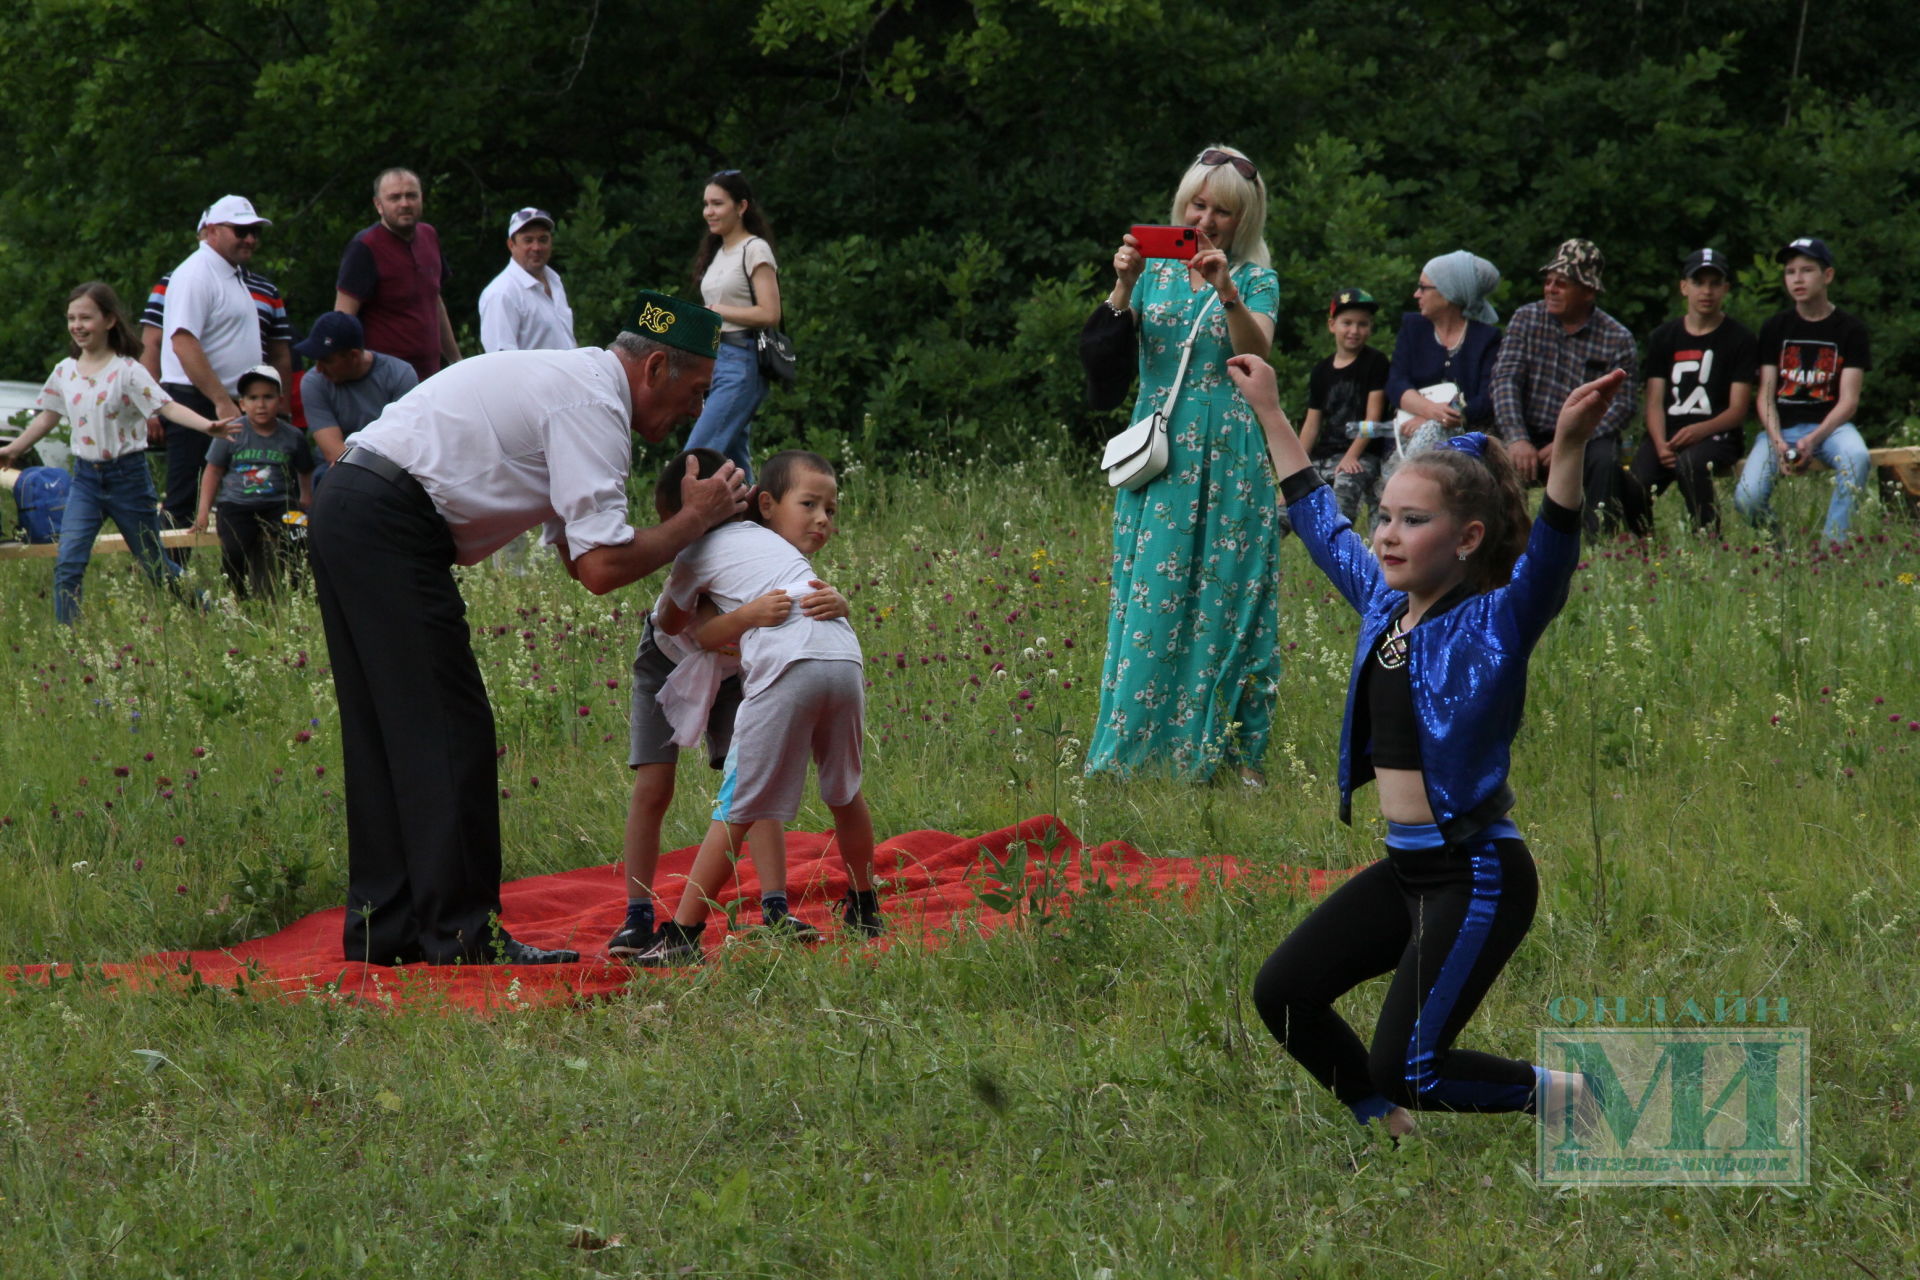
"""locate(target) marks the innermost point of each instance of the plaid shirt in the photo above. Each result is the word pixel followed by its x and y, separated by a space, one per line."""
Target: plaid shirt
pixel 1540 363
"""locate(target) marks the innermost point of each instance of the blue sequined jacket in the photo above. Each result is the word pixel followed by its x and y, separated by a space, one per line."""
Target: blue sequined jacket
pixel 1468 657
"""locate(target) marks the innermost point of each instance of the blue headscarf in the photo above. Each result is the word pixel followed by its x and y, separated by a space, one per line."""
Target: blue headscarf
pixel 1474 442
pixel 1465 280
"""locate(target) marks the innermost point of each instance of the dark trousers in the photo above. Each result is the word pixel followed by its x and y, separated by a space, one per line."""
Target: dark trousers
pixel 1694 469
pixel 416 730
pixel 1443 922
pixel 257 549
pixel 186 455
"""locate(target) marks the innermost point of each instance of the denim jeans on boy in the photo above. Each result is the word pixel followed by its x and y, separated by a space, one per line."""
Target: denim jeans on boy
pixel 737 391
pixel 1844 451
pixel 123 489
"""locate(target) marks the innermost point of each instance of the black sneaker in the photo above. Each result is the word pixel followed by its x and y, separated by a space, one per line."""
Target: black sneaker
pixel 673 944
pixel 513 951
pixel 787 928
pixel 863 921
pixel 632 941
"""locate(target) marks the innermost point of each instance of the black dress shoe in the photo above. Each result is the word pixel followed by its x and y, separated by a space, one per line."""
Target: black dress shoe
pixel 514 951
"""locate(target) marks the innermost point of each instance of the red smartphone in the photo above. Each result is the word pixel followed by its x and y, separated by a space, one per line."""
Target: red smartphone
pixel 1167 242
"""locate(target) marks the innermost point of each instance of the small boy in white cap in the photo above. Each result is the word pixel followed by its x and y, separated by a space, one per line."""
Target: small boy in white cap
pixel 253 480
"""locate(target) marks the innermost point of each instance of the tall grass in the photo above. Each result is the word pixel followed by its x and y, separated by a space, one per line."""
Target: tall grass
pixel 1718 776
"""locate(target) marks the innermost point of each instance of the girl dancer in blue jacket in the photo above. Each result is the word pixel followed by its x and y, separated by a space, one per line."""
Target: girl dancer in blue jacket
pixel 1454 594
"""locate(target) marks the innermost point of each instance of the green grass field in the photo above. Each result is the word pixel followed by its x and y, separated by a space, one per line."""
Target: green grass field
pixel 1718 777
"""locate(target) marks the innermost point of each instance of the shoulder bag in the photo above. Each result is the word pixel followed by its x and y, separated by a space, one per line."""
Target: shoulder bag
pixel 1139 454
pixel 771 345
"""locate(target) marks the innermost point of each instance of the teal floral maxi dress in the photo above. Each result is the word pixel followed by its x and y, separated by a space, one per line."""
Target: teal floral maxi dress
pixel 1192 660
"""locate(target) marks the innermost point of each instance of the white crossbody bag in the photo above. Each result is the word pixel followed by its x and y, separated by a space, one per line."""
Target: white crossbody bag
pixel 1139 454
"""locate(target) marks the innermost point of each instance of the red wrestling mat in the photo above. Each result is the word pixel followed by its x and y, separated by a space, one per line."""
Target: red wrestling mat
pixel 935 881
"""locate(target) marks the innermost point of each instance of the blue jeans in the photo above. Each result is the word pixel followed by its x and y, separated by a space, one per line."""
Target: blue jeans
pixel 1844 451
pixel 122 489
pixel 737 391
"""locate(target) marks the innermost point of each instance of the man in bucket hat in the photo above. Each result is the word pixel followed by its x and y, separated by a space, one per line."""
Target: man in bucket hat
pixel 465 462
pixel 1552 346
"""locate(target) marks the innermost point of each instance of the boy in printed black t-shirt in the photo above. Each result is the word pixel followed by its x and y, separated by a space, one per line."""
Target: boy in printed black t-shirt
pixel 1813 360
pixel 1348 386
pixel 1700 373
pixel 254 478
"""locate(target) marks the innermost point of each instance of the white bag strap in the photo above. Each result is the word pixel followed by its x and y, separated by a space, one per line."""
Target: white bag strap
pixel 1186 356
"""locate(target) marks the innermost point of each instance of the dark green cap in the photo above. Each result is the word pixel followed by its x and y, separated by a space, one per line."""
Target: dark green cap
pixel 676 323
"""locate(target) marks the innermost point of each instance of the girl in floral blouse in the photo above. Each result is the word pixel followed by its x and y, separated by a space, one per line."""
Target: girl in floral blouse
pixel 107 397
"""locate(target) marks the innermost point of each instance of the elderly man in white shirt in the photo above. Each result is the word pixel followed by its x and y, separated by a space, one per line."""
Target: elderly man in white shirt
pixel 465 462
pixel 524 308
pixel 211 337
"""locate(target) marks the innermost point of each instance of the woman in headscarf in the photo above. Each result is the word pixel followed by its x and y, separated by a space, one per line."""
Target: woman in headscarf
pixel 1452 338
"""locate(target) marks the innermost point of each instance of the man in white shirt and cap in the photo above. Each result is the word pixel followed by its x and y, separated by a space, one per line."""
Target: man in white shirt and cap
pixel 210 337
pixel 524 308
pixel 467 461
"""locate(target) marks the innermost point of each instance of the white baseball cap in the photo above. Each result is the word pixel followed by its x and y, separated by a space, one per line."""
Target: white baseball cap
pixel 521 217
pixel 236 210
pixel 266 371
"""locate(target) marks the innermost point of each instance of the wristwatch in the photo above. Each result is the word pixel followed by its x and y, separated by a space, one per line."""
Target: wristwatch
pixel 1229 304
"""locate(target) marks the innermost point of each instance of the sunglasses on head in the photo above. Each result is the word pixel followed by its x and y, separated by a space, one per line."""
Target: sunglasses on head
pixel 726 173
pixel 1241 165
pixel 249 232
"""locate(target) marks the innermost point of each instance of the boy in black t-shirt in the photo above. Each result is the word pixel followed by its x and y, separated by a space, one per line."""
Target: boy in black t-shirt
pixel 1348 386
pixel 1813 360
pixel 1700 372
pixel 254 477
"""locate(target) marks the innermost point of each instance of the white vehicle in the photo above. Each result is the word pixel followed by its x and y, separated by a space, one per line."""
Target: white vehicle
pixel 16 396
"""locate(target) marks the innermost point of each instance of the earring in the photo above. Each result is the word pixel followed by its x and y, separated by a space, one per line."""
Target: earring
pixel 1464 554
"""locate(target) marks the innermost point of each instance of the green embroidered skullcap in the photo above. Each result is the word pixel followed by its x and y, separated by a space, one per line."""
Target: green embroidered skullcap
pixel 676 323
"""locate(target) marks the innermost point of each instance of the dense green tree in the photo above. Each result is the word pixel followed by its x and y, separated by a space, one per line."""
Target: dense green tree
pixel 948 182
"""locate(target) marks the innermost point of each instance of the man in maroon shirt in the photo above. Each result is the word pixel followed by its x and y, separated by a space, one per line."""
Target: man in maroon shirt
pixel 391 275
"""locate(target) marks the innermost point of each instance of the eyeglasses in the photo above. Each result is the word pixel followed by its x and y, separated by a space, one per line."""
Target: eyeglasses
pixel 1241 165
pixel 249 232
pixel 1424 287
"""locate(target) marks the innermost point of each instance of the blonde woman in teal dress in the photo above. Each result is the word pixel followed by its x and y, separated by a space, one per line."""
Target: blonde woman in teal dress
pixel 1192 659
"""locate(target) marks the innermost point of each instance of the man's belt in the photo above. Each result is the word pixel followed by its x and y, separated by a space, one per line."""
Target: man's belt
pixel 389 470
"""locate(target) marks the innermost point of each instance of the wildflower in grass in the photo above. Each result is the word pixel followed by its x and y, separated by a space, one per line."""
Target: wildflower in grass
pixel 303 736
pixel 121 771
pixel 179 841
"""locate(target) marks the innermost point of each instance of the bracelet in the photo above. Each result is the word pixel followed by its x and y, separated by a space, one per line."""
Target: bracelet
pixel 1118 311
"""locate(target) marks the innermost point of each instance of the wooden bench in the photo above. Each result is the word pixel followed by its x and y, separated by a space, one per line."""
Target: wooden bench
pixel 1899 476
pixel 106 543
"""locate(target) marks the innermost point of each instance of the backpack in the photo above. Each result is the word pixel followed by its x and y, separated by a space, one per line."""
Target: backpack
pixel 41 494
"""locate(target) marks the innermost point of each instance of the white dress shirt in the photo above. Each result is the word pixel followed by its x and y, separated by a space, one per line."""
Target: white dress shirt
pixel 207 298
pixel 502 442
pixel 516 314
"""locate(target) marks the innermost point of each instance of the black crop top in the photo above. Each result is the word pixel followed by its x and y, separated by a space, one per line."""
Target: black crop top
pixel 1389 693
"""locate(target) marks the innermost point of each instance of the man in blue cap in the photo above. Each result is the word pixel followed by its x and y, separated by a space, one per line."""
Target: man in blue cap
pixel 348 386
pixel 467 461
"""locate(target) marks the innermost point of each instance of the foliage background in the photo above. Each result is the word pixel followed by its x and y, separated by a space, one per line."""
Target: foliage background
pixel 947 181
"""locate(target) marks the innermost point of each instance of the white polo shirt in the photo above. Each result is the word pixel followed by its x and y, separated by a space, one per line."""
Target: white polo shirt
pixel 208 298
pixel 505 441
pixel 516 314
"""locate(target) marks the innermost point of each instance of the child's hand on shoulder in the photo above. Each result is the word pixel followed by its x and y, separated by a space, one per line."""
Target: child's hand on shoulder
pixel 824 603
pixel 1254 378
pixel 769 610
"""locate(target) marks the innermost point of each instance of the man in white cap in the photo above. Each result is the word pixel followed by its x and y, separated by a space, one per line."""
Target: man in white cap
pixel 211 336
pixel 524 308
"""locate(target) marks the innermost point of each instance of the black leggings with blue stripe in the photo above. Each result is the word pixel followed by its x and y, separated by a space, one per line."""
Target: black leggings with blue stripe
pixel 1443 920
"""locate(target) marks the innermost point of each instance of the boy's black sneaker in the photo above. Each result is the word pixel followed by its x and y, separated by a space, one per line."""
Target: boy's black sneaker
pixel 632 941
pixel 674 944
pixel 787 928
pixel 862 918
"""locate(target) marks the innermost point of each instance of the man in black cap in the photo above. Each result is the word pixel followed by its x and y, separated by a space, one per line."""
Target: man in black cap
pixel 1814 359
pixel 348 386
pixel 467 461
pixel 1700 372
